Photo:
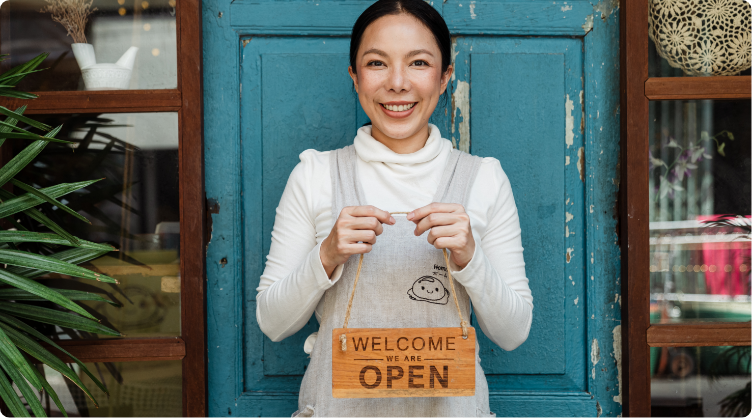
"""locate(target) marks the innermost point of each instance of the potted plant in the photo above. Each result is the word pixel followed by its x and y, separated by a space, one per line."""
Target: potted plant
pixel 73 15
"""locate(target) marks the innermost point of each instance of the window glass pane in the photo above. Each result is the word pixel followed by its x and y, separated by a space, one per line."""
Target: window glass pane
pixel 114 27
pixel 137 389
pixel 699 38
pixel 135 208
pixel 700 381
pixel 700 210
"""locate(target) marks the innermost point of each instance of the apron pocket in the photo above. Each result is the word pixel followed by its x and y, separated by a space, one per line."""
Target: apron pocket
pixel 306 413
pixel 481 414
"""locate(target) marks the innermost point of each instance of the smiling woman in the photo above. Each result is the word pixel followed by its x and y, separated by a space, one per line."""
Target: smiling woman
pixel 399 180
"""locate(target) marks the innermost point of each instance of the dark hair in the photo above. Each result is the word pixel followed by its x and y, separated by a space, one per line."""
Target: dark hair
pixel 419 9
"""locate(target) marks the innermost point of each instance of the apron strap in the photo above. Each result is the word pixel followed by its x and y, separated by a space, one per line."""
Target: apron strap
pixel 463 323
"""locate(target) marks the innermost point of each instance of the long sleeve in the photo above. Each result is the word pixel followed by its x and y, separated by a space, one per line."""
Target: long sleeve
pixel 495 277
pixel 294 278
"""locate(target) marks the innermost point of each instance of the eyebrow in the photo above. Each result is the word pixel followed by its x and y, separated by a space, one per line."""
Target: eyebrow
pixel 408 55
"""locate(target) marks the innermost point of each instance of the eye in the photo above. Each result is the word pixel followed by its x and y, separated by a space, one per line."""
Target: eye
pixel 420 63
pixel 437 289
pixel 375 63
pixel 422 288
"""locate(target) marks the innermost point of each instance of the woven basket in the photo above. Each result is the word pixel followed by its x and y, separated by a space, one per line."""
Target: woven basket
pixel 702 37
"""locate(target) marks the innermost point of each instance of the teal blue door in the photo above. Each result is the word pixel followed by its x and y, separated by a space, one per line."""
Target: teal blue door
pixel 536 86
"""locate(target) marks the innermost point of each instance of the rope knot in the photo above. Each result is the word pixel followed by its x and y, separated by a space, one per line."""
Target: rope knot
pixel 463 324
pixel 343 340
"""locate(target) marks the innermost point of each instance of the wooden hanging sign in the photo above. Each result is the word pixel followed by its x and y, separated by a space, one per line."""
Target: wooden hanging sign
pixel 403 362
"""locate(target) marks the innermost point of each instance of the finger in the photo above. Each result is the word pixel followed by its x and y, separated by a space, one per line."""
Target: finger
pixel 360 248
pixel 435 207
pixel 366 235
pixel 448 231
pixel 366 211
pixel 435 219
pixel 365 223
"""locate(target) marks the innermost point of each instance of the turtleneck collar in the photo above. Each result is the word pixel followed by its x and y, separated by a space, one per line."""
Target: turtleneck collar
pixel 371 150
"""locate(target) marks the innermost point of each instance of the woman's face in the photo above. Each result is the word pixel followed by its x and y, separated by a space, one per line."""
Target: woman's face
pixel 398 79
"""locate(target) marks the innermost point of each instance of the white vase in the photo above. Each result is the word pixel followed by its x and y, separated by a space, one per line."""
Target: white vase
pixel 104 76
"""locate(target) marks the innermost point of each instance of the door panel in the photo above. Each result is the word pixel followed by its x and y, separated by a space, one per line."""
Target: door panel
pixel 523 114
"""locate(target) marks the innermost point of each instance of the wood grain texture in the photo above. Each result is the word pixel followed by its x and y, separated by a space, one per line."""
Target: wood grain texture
pixel 705 334
pixel 403 362
pixel 633 208
pixel 99 101
pixel 695 88
pixel 149 349
pixel 192 206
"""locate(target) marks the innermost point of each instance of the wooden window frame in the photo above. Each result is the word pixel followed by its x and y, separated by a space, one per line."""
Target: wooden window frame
pixel 187 102
pixel 637 90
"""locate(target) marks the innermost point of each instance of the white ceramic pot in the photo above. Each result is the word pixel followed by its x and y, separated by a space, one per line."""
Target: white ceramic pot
pixel 104 76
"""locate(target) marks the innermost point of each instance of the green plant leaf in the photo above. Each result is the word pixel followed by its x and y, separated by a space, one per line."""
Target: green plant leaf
pixel 10 351
pixel 37 351
pixel 11 398
pixel 43 262
pixel 55 317
pixel 19 294
pixel 22 385
pixel 49 390
pixel 720 149
pixel 17 323
pixel 45 238
pixel 51 200
pixel 15 74
pixel 10 121
pixel 21 160
pixel 30 136
pixel 41 218
pixel 17 94
pixel 28 200
pixel 39 125
pixel 42 291
pixel 73 256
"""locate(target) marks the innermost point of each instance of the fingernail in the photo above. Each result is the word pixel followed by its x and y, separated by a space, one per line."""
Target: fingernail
pixel 410 216
pixel 392 220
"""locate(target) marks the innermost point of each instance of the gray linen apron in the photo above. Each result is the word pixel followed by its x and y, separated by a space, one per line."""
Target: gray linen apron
pixel 403 284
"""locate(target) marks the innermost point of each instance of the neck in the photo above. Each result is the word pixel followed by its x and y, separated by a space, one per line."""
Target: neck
pixel 407 145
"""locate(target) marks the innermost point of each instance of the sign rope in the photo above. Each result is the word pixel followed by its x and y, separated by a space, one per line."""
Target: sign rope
pixel 463 323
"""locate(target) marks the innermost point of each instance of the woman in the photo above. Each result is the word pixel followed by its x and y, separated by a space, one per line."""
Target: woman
pixel 337 203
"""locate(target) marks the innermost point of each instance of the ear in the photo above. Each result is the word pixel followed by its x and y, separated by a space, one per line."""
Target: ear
pixel 354 78
pixel 446 77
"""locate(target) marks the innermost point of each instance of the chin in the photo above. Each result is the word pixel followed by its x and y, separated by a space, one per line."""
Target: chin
pixel 398 131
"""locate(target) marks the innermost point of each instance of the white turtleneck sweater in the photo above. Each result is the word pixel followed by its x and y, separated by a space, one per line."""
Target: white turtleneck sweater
pixel 294 279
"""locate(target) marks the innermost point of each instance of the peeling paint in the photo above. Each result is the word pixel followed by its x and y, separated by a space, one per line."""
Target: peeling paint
pixel 567 163
pixel 461 102
pixel 581 163
pixel 569 106
pixel 455 51
pixel 577 299
pixel 591 208
pixel 565 8
pixel 595 354
pixel 598 408
pixel 588 26
pixel 570 252
pixel 617 357
pixel 606 7
pixel 245 42
pixel 472 10
pixel 569 216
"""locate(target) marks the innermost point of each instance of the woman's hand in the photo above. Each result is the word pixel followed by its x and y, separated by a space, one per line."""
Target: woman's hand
pixel 354 233
pixel 450 229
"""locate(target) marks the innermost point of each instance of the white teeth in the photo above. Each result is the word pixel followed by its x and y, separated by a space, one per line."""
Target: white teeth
pixel 400 108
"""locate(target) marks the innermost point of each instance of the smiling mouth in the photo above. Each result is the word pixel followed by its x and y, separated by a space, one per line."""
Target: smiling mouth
pixel 398 108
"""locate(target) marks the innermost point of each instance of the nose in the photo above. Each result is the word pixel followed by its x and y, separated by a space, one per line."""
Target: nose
pixel 398 81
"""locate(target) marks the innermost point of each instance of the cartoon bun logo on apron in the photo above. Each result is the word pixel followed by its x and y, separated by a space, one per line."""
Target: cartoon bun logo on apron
pixel 429 289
